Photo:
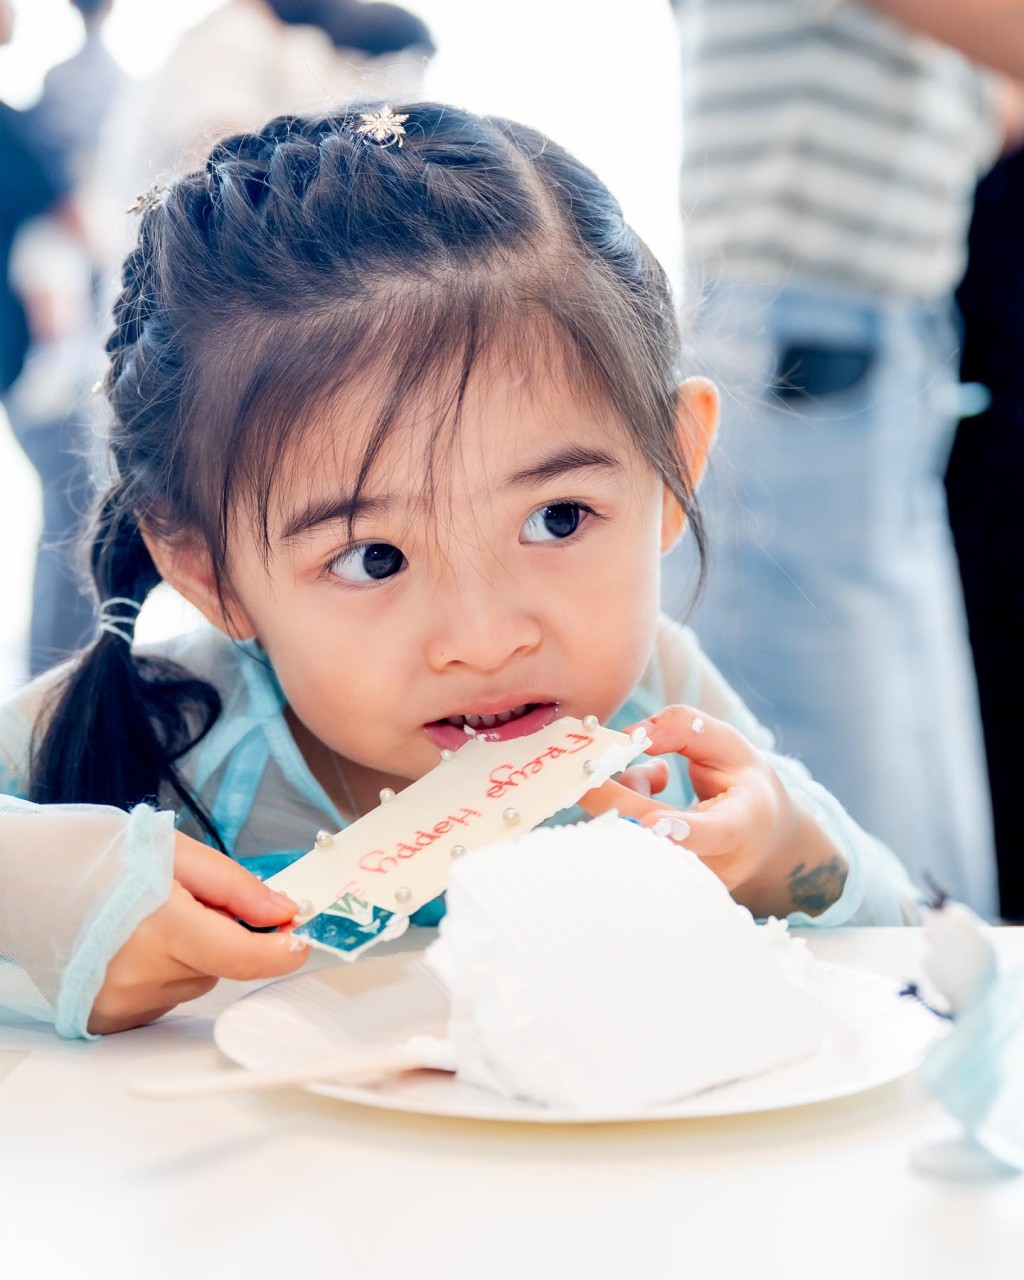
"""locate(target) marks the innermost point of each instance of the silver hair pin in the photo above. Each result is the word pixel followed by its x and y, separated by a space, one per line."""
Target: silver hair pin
pixel 118 616
pixel 384 126
pixel 150 199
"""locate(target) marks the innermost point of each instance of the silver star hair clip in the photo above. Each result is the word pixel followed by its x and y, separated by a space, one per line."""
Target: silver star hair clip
pixel 383 127
pixel 150 199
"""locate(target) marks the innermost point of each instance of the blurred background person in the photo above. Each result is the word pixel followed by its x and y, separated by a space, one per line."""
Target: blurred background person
pixel 44 306
pixel 77 94
pixel 244 62
pixel 241 64
pixel 830 156
pixel 985 484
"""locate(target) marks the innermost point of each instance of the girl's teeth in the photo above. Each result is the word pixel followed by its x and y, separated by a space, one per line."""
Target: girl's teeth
pixel 473 721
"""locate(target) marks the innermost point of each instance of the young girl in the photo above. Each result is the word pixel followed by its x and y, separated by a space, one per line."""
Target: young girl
pixel 396 403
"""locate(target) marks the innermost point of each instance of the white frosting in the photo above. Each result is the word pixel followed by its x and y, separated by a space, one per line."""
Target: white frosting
pixel 602 969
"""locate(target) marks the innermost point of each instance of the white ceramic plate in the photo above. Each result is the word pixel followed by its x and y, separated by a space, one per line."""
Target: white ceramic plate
pixel 875 1037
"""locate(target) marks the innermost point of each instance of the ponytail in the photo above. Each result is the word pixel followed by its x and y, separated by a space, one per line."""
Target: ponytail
pixel 119 722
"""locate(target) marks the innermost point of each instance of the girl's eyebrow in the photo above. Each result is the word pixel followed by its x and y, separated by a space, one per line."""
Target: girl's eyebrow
pixel 332 510
pixel 574 458
pixel 336 510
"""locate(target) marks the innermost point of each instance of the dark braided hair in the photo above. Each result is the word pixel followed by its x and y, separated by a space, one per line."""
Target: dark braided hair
pixel 302 258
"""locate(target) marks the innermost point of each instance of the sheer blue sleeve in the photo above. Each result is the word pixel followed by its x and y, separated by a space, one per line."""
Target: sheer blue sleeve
pixel 75 883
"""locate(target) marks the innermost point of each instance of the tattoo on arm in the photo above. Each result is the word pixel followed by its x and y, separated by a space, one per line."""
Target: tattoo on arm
pixel 815 889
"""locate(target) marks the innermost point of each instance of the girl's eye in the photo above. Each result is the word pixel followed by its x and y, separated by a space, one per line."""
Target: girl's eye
pixel 371 562
pixel 548 524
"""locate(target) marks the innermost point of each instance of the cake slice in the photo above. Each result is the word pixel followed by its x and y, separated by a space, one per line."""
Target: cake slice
pixel 602 969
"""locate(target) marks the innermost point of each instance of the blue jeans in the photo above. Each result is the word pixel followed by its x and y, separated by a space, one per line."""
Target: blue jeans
pixel 63 618
pixel 833 604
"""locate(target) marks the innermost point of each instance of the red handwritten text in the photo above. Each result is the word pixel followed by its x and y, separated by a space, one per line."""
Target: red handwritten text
pixel 506 777
pixel 380 861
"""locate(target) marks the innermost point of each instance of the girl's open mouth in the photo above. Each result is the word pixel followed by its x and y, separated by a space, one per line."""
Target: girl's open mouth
pixel 502 726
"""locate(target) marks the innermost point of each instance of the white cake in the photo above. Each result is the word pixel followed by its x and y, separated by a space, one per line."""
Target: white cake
pixel 602 969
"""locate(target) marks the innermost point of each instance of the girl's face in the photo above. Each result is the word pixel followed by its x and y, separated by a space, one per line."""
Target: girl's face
pixel 524 588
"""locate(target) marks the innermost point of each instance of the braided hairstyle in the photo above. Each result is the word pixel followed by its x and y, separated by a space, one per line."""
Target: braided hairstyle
pixel 300 259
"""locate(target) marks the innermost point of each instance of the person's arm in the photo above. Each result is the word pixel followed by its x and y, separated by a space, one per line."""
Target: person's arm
pixel 109 919
pixel 780 841
pixel 769 850
pixel 179 951
pixel 986 31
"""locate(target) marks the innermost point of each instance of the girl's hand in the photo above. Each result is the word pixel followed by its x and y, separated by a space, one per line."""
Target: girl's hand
pixel 771 855
pixel 180 951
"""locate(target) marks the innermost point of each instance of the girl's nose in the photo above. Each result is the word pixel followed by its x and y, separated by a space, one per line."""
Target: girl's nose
pixel 481 626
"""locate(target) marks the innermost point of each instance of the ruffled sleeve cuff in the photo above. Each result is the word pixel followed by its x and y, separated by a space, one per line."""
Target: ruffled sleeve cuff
pixel 142 883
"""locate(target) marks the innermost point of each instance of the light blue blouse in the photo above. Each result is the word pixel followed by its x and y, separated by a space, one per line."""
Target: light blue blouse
pixel 267 804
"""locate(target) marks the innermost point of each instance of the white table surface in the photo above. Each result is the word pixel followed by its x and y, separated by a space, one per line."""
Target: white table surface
pixel 95 1182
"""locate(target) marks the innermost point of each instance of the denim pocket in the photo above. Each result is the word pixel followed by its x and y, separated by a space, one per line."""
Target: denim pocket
pixel 805 370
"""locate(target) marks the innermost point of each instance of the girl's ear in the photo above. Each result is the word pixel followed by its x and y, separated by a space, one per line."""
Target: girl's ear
pixel 696 424
pixel 184 562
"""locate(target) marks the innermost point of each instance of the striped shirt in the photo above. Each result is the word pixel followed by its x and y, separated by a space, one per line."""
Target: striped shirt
pixel 826 144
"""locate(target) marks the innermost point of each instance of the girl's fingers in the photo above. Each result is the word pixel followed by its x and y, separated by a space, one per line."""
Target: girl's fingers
pixel 215 879
pixel 717 827
pixel 189 988
pixel 210 943
pixel 646 779
pixel 102 1023
pixel 712 830
pixel 612 795
pixel 708 742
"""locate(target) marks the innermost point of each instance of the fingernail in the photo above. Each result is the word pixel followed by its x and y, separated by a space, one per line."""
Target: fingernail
pixel 283 901
pixel 672 826
pixel 293 942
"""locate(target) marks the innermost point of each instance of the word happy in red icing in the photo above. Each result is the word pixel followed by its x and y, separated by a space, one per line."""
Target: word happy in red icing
pixel 379 861
pixel 502 779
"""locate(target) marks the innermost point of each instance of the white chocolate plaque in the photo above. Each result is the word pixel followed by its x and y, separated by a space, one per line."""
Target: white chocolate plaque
pixel 398 856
